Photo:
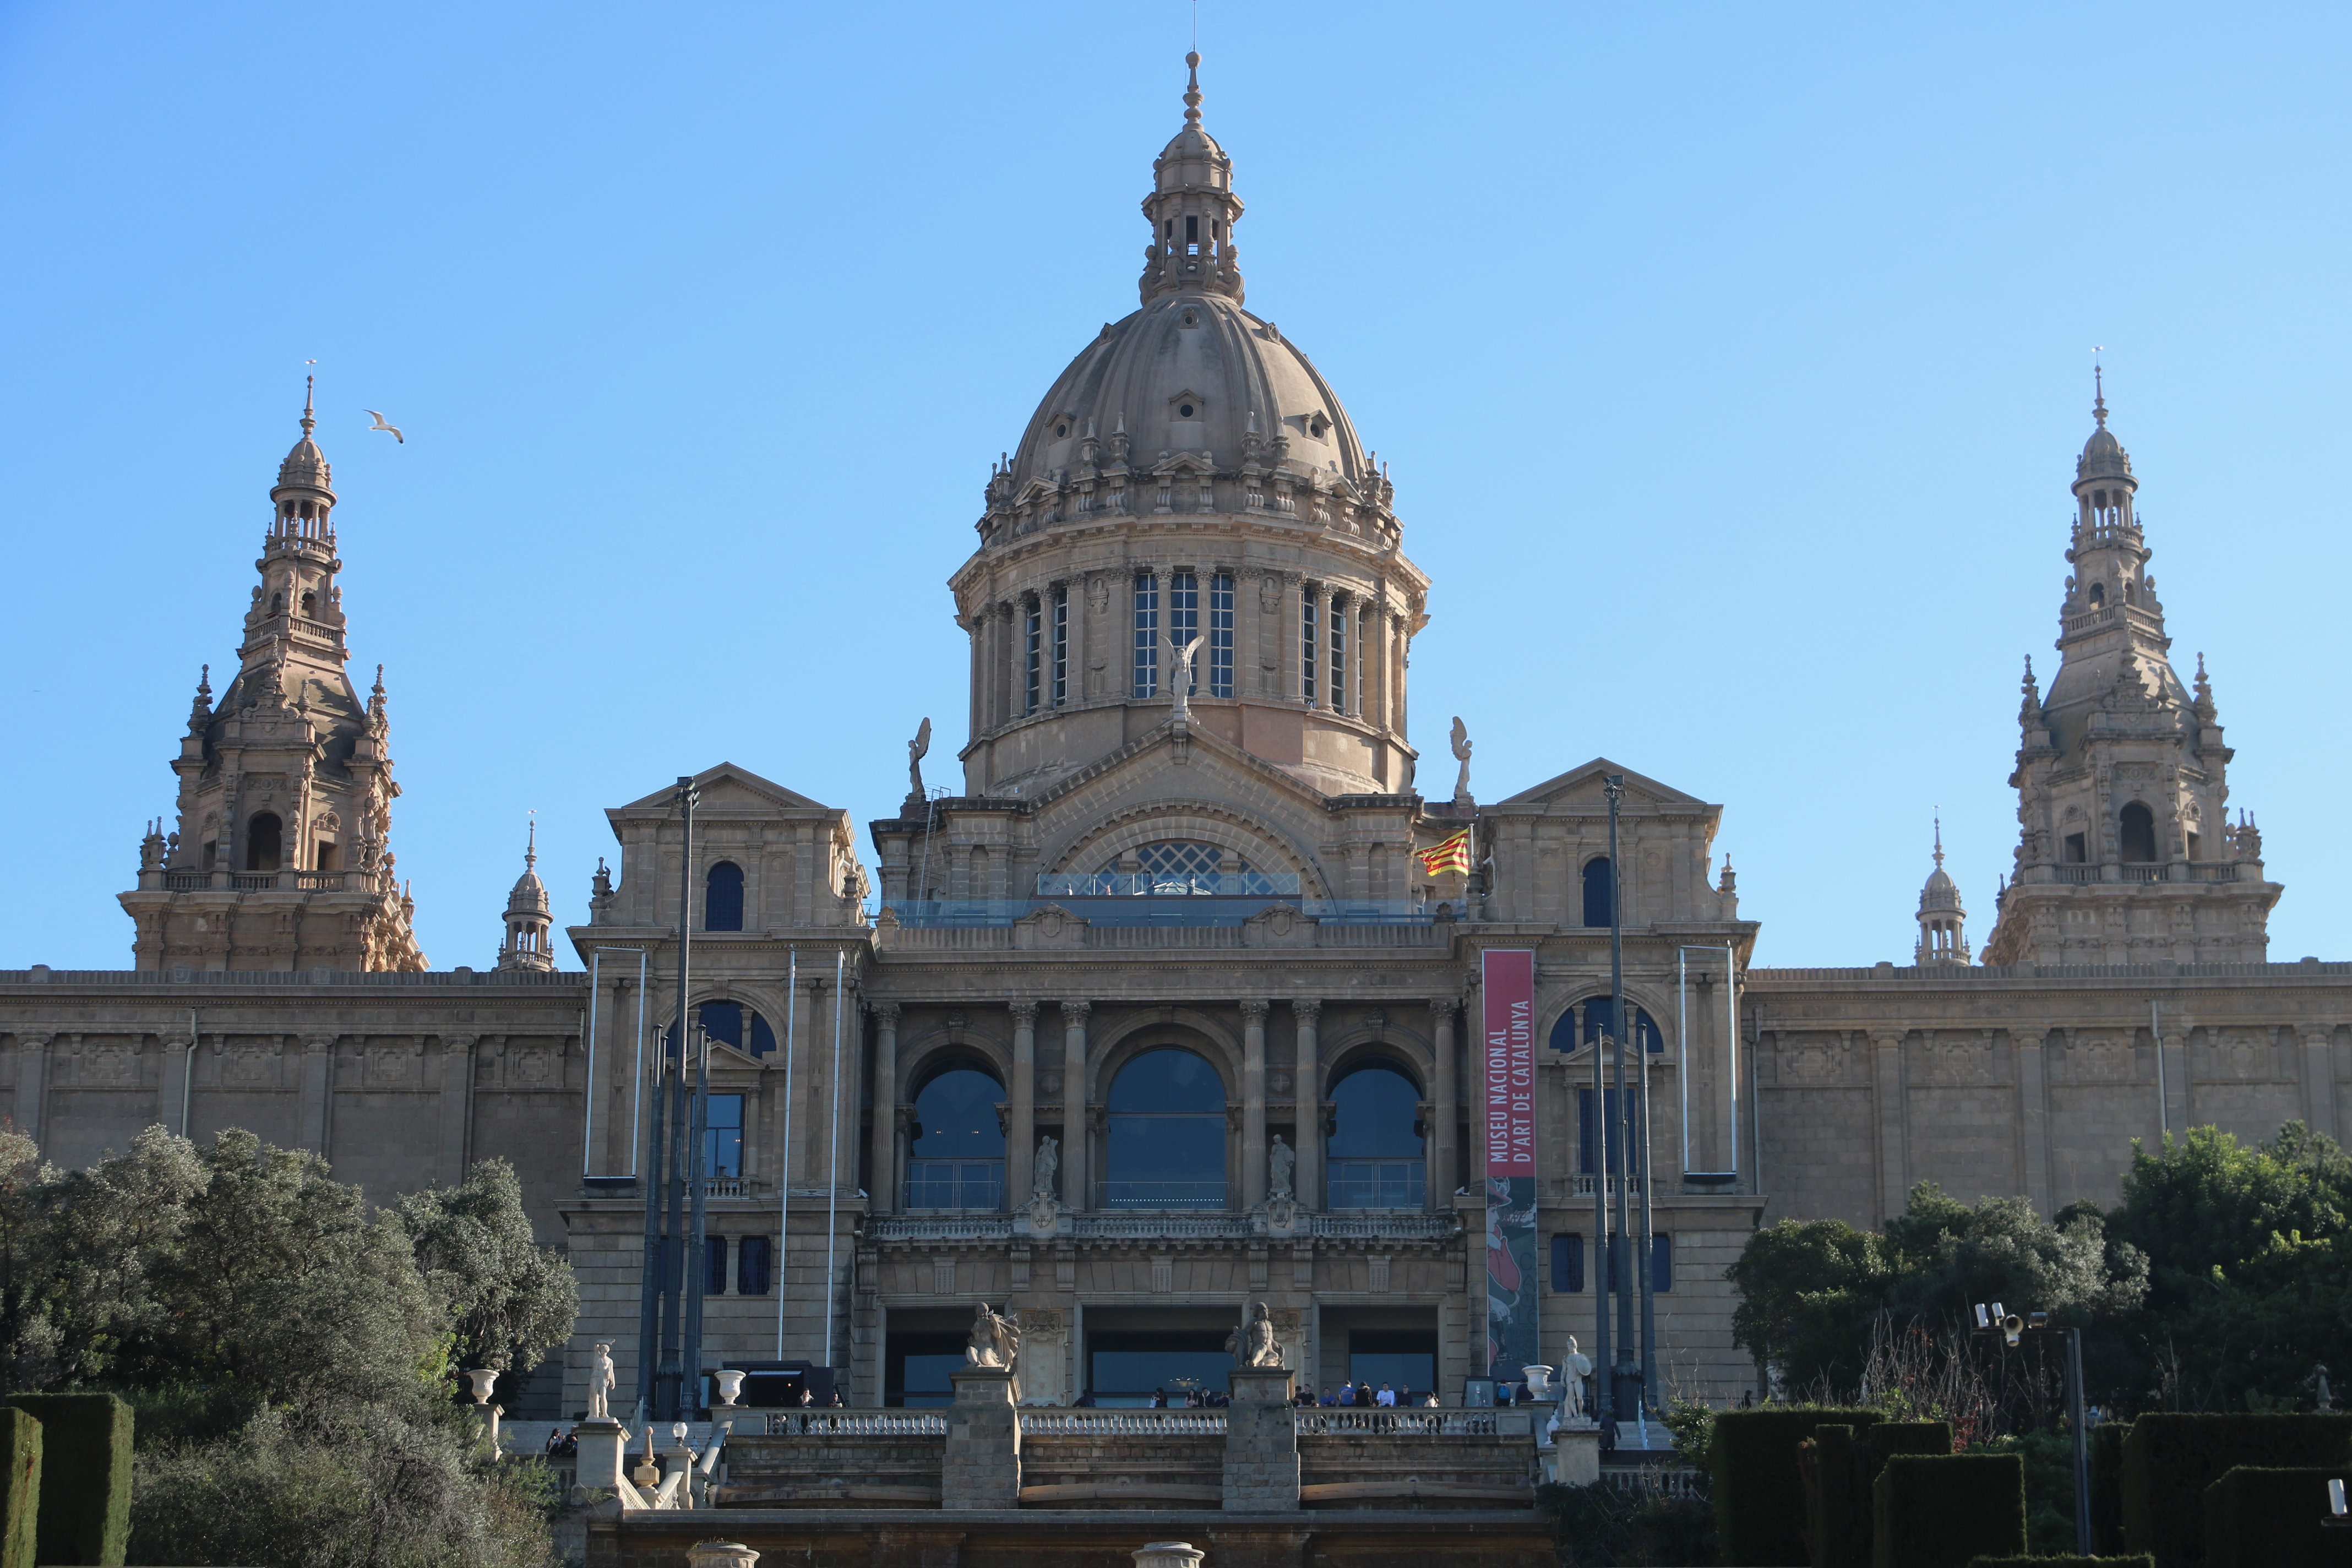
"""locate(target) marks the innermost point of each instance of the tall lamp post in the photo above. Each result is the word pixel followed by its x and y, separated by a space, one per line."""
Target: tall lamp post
pixel 2009 1326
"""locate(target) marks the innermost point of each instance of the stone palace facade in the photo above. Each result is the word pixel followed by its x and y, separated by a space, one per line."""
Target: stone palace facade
pixel 1158 1011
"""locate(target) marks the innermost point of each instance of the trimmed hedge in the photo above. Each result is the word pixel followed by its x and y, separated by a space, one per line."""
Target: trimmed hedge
pixel 1839 1464
pixel 20 1488
pixel 2065 1560
pixel 2107 1486
pixel 1759 1493
pixel 85 1477
pixel 2169 1460
pixel 2270 1519
pixel 1945 1511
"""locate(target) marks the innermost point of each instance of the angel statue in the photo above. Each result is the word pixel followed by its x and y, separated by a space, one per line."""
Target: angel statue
pixel 917 749
pixel 996 1339
pixel 1253 1345
pixel 1462 755
pixel 1180 672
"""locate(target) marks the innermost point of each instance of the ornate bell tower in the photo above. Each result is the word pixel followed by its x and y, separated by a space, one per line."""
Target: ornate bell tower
pixel 2125 853
pixel 280 859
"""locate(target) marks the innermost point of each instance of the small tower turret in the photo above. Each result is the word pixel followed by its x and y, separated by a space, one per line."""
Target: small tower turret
pixel 1943 920
pixel 1192 210
pixel 529 943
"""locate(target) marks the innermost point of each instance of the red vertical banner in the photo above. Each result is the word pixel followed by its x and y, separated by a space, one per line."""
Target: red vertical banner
pixel 1508 1040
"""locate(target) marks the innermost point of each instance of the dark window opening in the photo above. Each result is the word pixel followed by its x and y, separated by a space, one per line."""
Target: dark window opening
pixel 2138 832
pixel 1167 1138
pixel 1591 1157
pixel 210 856
pixel 1375 1147
pixel 276 603
pixel 714 1265
pixel 2194 840
pixel 722 1137
pixel 324 860
pixel 1599 891
pixel 1061 430
pixel 915 1367
pixel 2098 594
pixel 1567 1264
pixel 1186 411
pixel 752 1273
pixel 1599 1020
pixel 264 844
pixel 722 903
pixel 726 1021
pixel 2076 851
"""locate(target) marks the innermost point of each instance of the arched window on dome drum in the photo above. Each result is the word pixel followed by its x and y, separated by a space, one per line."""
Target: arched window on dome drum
pixel 722 901
pixel 1339 656
pixel 1147 635
pixel 1221 634
pixel 1306 615
pixel 264 842
pixel 1184 620
pixel 1375 1145
pixel 955 1150
pixel 1033 654
pixel 1061 645
pixel 1600 888
pixel 739 1027
pixel 2136 834
pixel 1167 1143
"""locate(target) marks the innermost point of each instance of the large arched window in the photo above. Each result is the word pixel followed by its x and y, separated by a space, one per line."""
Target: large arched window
pixel 264 842
pixel 1375 1146
pixel 722 903
pixel 1166 1134
pixel 955 1153
pixel 1599 1015
pixel 2136 833
pixel 1600 887
pixel 739 1027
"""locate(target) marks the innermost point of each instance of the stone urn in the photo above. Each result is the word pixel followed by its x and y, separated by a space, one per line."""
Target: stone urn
pixel 1168 1554
pixel 485 1380
pixel 1538 1380
pixel 720 1554
pixel 731 1388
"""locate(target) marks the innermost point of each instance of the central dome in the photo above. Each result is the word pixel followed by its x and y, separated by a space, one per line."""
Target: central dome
pixel 1191 373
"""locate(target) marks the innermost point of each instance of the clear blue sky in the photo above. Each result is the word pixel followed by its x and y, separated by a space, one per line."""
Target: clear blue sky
pixel 1731 361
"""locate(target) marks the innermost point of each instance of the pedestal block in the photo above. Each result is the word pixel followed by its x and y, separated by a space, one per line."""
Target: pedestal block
pixel 1576 1456
pixel 982 1464
pixel 602 1442
pixel 1260 1441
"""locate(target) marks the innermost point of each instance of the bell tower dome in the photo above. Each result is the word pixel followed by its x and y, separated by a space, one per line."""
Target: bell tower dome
pixel 2125 854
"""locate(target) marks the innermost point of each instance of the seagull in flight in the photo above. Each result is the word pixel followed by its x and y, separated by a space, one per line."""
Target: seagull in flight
pixel 380 425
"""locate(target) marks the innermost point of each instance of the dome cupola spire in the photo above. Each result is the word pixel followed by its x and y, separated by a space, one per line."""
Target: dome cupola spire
pixel 1192 210
pixel 1943 934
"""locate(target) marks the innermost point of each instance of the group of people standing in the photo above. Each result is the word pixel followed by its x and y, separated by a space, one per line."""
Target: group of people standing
pixel 1385 1397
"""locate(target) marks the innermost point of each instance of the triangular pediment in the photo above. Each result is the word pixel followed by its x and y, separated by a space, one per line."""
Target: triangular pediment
pixel 1578 784
pixel 729 786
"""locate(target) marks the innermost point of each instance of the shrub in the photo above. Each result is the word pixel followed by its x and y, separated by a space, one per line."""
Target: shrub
pixel 2107 1486
pixel 1759 1494
pixel 1942 1510
pixel 85 1476
pixel 1839 1464
pixel 20 1487
pixel 1601 1527
pixel 2270 1519
pixel 2063 1560
pixel 2169 1460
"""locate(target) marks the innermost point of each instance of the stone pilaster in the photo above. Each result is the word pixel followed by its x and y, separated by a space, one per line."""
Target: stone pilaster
pixel 1076 1075
pixel 982 1467
pixel 1260 1441
pixel 1020 1131
pixel 1254 1145
pixel 885 1108
pixel 1447 1113
pixel 1309 1178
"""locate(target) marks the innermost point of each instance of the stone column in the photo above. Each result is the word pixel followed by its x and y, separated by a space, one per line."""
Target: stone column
pixel 1021 1129
pixel 1260 1441
pixel 1887 1080
pixel 884 1190
pixel 1076 1077
pixel 1447 1112
pixel 1309 1177
pixel 179 1061
pixel 318 1083
pixel 981 1465
pixel 2319 1078
pixel 32 1082
pixel 456 1102
pixel 978 671
pixel 2175 1046
pixel 1286 600
pixel 2033 1117
pixel 1254 1145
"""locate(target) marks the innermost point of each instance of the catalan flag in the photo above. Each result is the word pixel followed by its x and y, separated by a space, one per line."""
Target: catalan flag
pixel 1454 855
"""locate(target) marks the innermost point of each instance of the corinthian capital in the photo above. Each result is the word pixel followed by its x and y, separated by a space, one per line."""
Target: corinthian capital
pixel 1307 1012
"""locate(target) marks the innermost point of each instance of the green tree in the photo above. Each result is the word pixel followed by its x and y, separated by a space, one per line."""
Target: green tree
pixel 1808 1291
pixel 506 1296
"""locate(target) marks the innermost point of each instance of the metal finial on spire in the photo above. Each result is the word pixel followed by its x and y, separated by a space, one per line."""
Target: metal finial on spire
pixel 309 389
pixel 530 845
pixel 2099 388
pixel 1193 89
pixel 1940 841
